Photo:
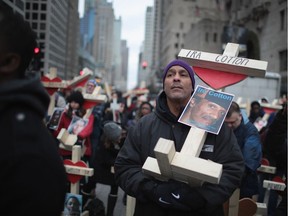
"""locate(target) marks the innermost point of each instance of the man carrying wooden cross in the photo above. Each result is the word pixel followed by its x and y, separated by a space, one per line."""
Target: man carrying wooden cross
pixel 154 197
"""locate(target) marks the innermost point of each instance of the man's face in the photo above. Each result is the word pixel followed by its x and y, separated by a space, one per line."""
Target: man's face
pixel 234 120
pixel 90 88
pixel 206 112
pixel 178 84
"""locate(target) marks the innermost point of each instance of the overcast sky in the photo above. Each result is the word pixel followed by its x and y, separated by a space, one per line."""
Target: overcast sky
pixel 132 14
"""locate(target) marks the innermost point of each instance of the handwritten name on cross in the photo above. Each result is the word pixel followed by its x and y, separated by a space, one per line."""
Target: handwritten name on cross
pixel 186 165
pixel 227 62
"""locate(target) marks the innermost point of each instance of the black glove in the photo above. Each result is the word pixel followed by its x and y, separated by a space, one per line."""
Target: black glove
pixel 173 194
pixel 189 196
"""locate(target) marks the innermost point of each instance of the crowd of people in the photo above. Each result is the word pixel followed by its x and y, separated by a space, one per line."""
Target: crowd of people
pixel 117 141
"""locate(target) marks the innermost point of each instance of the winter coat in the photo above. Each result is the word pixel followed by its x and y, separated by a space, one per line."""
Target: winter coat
pixel 33 178
pixel 275 144
pixel 250 144
pixel 140 143
pixel 83 135
pixel 103 163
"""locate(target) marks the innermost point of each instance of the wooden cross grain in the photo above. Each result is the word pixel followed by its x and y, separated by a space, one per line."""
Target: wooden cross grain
pixel 187 166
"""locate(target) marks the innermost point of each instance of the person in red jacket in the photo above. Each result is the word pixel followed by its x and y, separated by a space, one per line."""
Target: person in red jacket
pixel 74 112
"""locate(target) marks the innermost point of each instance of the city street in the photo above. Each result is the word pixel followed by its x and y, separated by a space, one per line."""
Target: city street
pixel 102 192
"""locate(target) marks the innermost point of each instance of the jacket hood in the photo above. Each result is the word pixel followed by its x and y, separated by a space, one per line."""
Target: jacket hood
pixel 25 92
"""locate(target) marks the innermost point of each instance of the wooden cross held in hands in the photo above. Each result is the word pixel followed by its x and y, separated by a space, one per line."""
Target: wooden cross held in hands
pixel 186 165
pixel 217 71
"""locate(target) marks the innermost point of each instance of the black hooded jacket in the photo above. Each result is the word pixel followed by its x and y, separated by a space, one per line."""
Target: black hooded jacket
pixel 140 143
pixel 32 177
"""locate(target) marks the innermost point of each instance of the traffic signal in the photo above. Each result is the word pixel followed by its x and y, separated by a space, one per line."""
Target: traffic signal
pixel 36 50
pixel 37 59
pixel 144 65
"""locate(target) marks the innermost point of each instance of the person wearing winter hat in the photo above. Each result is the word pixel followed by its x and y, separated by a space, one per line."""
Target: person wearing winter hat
pixel 112 131
pixel 103 164
pixel 154 197
pixel 72 114
pixel 75 104
pixel 90 86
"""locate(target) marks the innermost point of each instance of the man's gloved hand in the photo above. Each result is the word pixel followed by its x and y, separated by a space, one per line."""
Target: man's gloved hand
pixel 173 194
pixel 189 196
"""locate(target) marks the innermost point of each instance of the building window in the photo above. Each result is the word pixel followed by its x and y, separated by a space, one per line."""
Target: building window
pixel 27 16
pixel 43 7
pixel 42 36
pixel 43 17
pixel 282 20
pixel 27 6
pixel 176 45
pixel 42 26
pixel 34 26
pixel 215 37
pixel 181 25
pixel 35 6
pixel 207 37
pixel 34 16
pixel 283 60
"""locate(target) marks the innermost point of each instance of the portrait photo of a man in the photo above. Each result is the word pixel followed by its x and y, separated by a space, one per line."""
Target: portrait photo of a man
pixel 206 109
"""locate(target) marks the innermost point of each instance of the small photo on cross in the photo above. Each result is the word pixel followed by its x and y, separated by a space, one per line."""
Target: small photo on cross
pixel 206 109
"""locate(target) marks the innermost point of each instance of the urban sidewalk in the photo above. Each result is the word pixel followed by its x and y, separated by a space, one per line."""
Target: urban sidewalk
pixel 102 192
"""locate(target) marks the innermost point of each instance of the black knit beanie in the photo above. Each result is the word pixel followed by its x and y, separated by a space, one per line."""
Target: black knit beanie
pixel 77 97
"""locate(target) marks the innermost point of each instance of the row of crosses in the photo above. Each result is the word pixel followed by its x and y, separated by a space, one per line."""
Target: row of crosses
pixel 76 168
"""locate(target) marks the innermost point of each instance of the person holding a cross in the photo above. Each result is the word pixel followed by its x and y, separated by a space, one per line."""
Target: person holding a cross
pixel 250 144
pixel 155 197
pixel 33 177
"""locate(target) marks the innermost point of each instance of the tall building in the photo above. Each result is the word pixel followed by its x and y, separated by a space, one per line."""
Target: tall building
pixel 103 39
pixel 124 64
pixel 87 32
pixel 116 78
pixel 145 67
pixel 73 41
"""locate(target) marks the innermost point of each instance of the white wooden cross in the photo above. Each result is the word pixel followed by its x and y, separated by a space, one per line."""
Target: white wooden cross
pixel 186 165
pixel 181 166
pixel 72 168
pixel 114 106
pixel 94 98
pixel 77 170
